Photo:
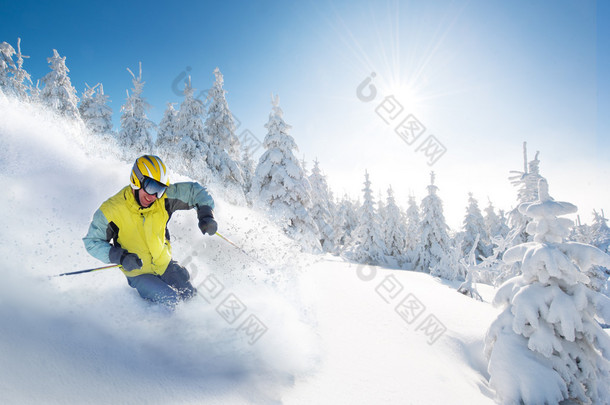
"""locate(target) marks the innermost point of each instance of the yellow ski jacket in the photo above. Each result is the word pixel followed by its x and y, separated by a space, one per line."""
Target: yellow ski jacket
pixel 121 222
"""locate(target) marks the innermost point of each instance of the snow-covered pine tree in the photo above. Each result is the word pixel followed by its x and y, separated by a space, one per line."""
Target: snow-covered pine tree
pixel 223 145
pixel 58 92
pixel 95 112
pixel 135 137
pixel 167 130
pixel 495 225
pixel 279 185
pixel 12 74
pixel 247 170
pixel 35 93
pixel 549 323
pixel 413 234
pixel 347 221
pixel 20 76
pixel 189 153
pixel 471 269
pixel 368 246
pixel 527 184
pixel 474 225
pixel 381 209
pixel 433 254
pixel 600 232
pixel 581 232
pixel 7 67
pixel 395 231
pixel 322 210
pixel 304 166
pixel 600 238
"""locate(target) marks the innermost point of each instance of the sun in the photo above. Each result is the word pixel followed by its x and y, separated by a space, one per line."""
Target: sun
pixel 405 93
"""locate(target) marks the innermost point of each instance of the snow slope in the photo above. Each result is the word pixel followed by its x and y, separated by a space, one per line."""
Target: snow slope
pixel 333 333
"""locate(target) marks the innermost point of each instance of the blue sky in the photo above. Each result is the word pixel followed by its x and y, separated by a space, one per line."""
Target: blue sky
pixel 481 77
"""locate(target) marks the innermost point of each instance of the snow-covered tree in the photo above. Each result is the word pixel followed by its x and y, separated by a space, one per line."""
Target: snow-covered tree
pixel 471 267
pixel 20 88
pixel 135 137
pixel 433 254
pixel 35 93
pixel 474 225
pixel 600 232
pixel 304 166
pixel 368 245
pixel 495 224
pixel 395 231
pixel 600 238
pixel 347 220
pixel 95 112
pixel 581 232
pixel 381 209
pixel 247 169
pixel 58 92
pixel 7 67
pixel 413 235
pixel 12 74
pixel 546 345
pixel 322 209
pixel 527 184
pixel 189 153
pixel 280 186
pixel 223 145
pixel 167 137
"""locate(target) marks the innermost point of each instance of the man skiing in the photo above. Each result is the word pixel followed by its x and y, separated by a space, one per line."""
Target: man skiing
pixel 130 229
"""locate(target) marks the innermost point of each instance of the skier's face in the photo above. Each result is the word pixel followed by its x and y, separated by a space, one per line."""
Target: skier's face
pixel 146 199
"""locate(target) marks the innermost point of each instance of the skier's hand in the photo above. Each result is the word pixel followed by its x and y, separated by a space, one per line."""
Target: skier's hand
pixel 208 225
pixel 131 262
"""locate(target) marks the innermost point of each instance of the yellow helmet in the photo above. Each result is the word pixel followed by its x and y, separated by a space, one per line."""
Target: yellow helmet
pixel 148 166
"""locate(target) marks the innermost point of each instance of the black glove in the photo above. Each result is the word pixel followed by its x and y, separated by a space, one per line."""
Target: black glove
pixel 129 261
pixel 207 224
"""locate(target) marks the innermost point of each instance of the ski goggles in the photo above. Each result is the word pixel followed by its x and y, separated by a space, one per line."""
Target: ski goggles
pixel 153 187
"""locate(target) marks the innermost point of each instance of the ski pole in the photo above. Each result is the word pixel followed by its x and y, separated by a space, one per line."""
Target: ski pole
pixel 86 271
pixel 243 251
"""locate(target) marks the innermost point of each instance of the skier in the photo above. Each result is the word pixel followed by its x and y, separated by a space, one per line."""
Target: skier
pixel 130 229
